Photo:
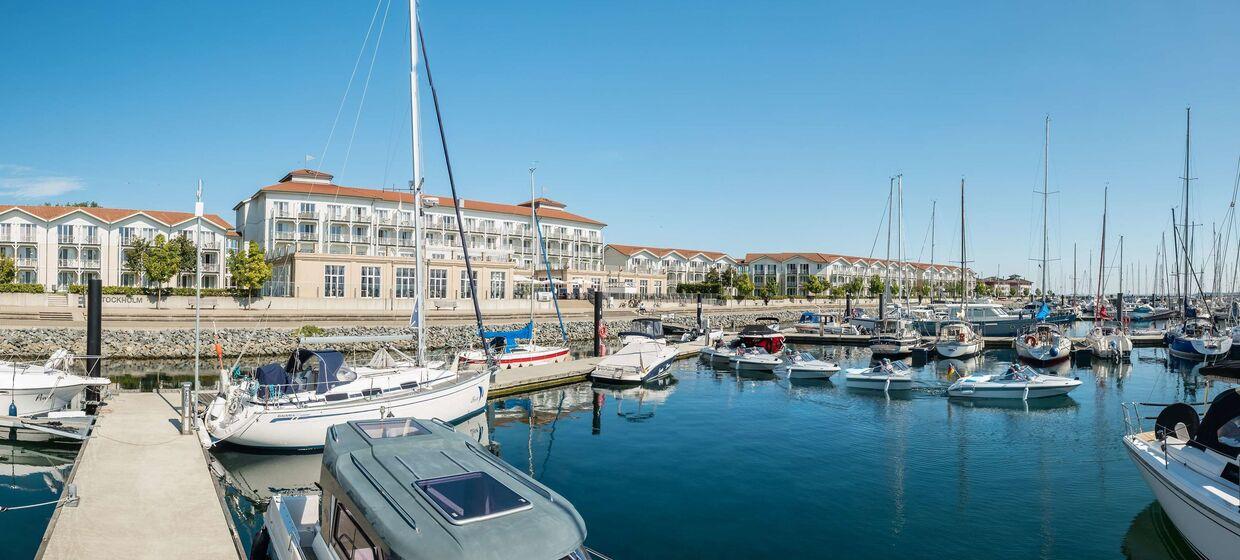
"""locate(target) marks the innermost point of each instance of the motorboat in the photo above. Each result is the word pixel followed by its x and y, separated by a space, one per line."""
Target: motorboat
pixel 1043 343
pixel 1149 312
pixel 507 353
pixel 645 355
pixel 803 365
pixel 958 340
pixel 416 489
pixel 894 337
pixel 1017 382
pixel 763 335
pixel 815 323
pixel 756 358
pixel 1109 342
pixel 718 353
pixel 1189 462
pixel 886 375
pixel 1197 339
pixel 41 389
pixel 988 319
pixel 291 405
pixel 809 323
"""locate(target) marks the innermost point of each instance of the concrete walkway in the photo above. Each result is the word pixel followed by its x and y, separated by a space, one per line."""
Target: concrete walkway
pixel 145 491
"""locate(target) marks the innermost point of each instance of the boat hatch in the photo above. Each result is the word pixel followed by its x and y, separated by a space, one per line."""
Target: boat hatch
pixel 473 496
pixel 391 428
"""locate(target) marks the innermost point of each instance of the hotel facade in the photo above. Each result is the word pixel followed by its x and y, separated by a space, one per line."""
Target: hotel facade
pixel 659 270
pixel 60 246
pixel 788 271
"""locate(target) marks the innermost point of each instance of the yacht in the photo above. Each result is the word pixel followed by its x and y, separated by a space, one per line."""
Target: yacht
pixel 803 365
pixel 1018 382
pixel 41 389
pixel 1109 342
pixel 645 355
pixel 718 353
pixel 886 375
pixel 1043 343
pixel 987 319
pixel 958 340
pixel 814 323
pixel 1189 462
pixel 1197 339
pixel 763 335
pixel 417 489
pixel 757 359
pixel 894 337
pixel 291 405
pixel 1150 312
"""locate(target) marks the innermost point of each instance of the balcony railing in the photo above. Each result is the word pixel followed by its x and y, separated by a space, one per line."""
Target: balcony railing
pixel 361 239
pixel 27 261
pixel 339 237
pixel 279 213
pixel 308 236
pixel 406 242
pixel 387 241
pixel 338 217
pixel 67 263
pixel 308 215
pixel 64 239
pixel 385 220
pixel 285 236
pixel 90 263
pixel 360 217
pixel 210 245
pixel 89 240
pixel 28 238
pixel 210 267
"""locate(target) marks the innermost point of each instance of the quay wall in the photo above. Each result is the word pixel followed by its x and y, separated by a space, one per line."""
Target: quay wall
pixel 137 343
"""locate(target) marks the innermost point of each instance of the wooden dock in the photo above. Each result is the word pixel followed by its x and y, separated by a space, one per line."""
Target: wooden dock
pixel 145 491
pixel 521 380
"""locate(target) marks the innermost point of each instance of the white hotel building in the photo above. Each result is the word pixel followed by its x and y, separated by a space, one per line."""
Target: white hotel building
pixel 326 240
pixel 788 271
pixel 668 267
pixel 59 246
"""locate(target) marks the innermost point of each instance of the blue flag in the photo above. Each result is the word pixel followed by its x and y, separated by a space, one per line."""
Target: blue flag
pixel 1043 313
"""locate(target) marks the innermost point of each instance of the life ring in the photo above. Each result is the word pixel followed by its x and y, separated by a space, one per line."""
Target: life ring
pixel 960 337
pixel 1031 340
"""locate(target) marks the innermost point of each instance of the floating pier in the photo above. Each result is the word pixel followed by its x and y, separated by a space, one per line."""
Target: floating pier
pixel 144 491
pixel 522 380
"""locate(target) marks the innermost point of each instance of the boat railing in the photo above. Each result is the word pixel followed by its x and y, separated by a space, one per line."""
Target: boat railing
pixel 596 554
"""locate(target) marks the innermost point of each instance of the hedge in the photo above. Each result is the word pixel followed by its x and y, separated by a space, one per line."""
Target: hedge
pixel 139 291
pixel 21 288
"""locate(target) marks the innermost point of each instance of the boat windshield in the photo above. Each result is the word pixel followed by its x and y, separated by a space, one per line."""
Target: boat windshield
pixel 1015 372
pixel 806 357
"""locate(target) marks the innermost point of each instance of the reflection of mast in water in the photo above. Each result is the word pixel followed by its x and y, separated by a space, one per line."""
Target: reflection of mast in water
pixel 962 462
pixel 898 467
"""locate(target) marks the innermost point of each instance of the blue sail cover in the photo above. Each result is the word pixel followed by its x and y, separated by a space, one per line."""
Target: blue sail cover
pixel 509 338
pixel 330 362
pixel 271 379
pixel 810 317
pixel 1043 313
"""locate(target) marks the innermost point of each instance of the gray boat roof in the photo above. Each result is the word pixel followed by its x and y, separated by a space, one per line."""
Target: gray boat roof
pixel 431 492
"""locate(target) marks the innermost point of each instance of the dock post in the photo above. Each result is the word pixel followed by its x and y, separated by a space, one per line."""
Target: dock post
pixel 598 323
pixel 187 389
pixel 847 306
pixel 94 339
pixel 882 306
pixel 699 312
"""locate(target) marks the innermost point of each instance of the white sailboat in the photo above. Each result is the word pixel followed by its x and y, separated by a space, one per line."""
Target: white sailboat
pixel 959 339
pixel 292 405
pixel 1106 340
pixel 1042 342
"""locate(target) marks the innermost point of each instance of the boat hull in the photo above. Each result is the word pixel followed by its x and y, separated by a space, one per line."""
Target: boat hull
pixel 658 364
pixel 1198 348
pixel 810 373
pixel 887 346
pixel 514 360
pixel 959 349
pixel 755 365
pixel 982 391
pixel 1043 354
pixel 34 401
pixel 289 427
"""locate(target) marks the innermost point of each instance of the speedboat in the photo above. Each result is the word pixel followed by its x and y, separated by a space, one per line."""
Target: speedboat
pixel 755 359
pixel 884 376
pixel 1018 382
pixel 1197 339
pixel 803 365
pixel 810 323
pixel 644 356
pixel 763 335
pixel 1043 343
pixel 718 354
pixel 958 340
pixel 1189 461
pixel 1109 342
pixel 291 405
pixel 417 489
pixel 506 353
pixel 894 337
pixel 39 389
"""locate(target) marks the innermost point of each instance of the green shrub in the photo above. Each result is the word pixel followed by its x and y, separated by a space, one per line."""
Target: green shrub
pixel 137 291
pixel 21 288
pixel 308 330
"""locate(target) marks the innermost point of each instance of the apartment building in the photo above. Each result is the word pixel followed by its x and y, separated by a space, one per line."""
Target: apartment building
pixel 788 271
pixel 665 267
pixel 59 246
pixel 327 240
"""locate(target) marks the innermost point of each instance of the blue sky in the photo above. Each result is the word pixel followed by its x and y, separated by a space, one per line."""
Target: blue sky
pixel 717 125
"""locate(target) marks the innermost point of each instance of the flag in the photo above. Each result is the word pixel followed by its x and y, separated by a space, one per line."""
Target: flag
pixel 417 310
pixel 951 371
pixel 1043 313
pixel 1102 312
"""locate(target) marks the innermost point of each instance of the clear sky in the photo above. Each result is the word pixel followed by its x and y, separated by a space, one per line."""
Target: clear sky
pixel 735 126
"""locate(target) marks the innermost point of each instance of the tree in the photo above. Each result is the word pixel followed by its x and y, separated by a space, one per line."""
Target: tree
pixel 186 253
pixel 922 288
pixel 854 286
pixel 984 290
pixel 744 286
pixel 8 270
pixel 768 291
pixel 728 278
pixel 712 276
pixel 249 269
pixel 876 285
pixel 838 292
pixel 157 260
pixel 813 285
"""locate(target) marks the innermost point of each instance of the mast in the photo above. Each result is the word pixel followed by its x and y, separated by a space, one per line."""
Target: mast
pixel 533 261
pixel 964 291
pixel 1188 136
pixel 1102 257
pixel 900 235
pixel 1074 272
pixel 1046 150
pixel 933 206
pixel 415 131
pixel 1119 303
pixel 198 213
pixel 891 186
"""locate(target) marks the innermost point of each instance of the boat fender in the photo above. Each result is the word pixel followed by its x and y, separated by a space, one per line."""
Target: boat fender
pixel 12 408
pixel 258 549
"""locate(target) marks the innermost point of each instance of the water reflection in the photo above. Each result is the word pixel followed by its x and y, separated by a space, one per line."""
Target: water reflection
pixel 1152 536
pixel 32 471
pixel 644 399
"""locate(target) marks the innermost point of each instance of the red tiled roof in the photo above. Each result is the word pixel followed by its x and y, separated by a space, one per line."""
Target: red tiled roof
pixel 543 202
pixel 307 173
pixel 375 194
pixel 112 215
pixel 664 251
pixel 829 257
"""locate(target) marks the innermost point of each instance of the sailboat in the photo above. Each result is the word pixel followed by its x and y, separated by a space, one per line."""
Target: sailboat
pixel 513 354
pixel 1108 340
pixel 1042 342
pixel 291 405
pixel 894 336
pixel 957 339
pixel 1196 338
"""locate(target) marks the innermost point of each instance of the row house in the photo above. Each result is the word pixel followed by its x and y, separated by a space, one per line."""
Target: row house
pixel 60 246
pixel 670 266
pixel 789 271
pixel 1012 286
pixel 326 240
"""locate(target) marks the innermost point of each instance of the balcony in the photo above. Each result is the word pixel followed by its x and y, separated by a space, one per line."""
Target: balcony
pixel 90 263
pixel 28 238
pixel 361 238
pixel 406 242
pixel 387 241
pixel 210 267
pixel 67 263
pixel 27 261
pixel 281 213
pixel 311 215
pixel 89 240
pixel 210 245
pixel 385 220
pixel 285 236
pixel 308 236
pixel 360 217
pixel 64 239
pixel 338 238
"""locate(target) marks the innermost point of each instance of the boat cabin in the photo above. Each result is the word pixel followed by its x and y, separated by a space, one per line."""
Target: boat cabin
pixel 304 371
pixel 415 489
pixel 646 327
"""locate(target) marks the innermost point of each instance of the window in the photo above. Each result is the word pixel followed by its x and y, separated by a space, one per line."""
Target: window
pixel 333 280
pixel 65 233
pixel 27 232
pixel 641 287
pixel 497 285
pixel 471 496
pixel 466 283
pixel 438 285
pixel 281 209
pixel 349 539
pixel 306 208
pixel 6 232
pixel 405 278
pixel 371 281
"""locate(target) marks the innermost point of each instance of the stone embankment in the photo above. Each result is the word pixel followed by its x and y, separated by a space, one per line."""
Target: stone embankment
pixel 179 342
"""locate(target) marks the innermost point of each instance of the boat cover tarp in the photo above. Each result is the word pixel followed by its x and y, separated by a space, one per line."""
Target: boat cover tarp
pixel 509 338
pixel 330 362
pixel 271 379
pixel 1220 428
pixel 810 317
pixel 1043 313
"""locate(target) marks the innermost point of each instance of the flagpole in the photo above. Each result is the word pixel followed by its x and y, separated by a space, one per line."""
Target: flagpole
pixel 197 286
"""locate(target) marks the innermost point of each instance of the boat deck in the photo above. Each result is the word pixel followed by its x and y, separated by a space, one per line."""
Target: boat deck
pixel 145 491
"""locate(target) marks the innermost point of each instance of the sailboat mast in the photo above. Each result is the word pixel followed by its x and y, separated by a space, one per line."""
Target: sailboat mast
pixel 964 290
pixel 415 131
pixel 933 206
pixel 1188 136
pixel 533 260
pixel 1102 257
pixel 1046 151
pixel 900 234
